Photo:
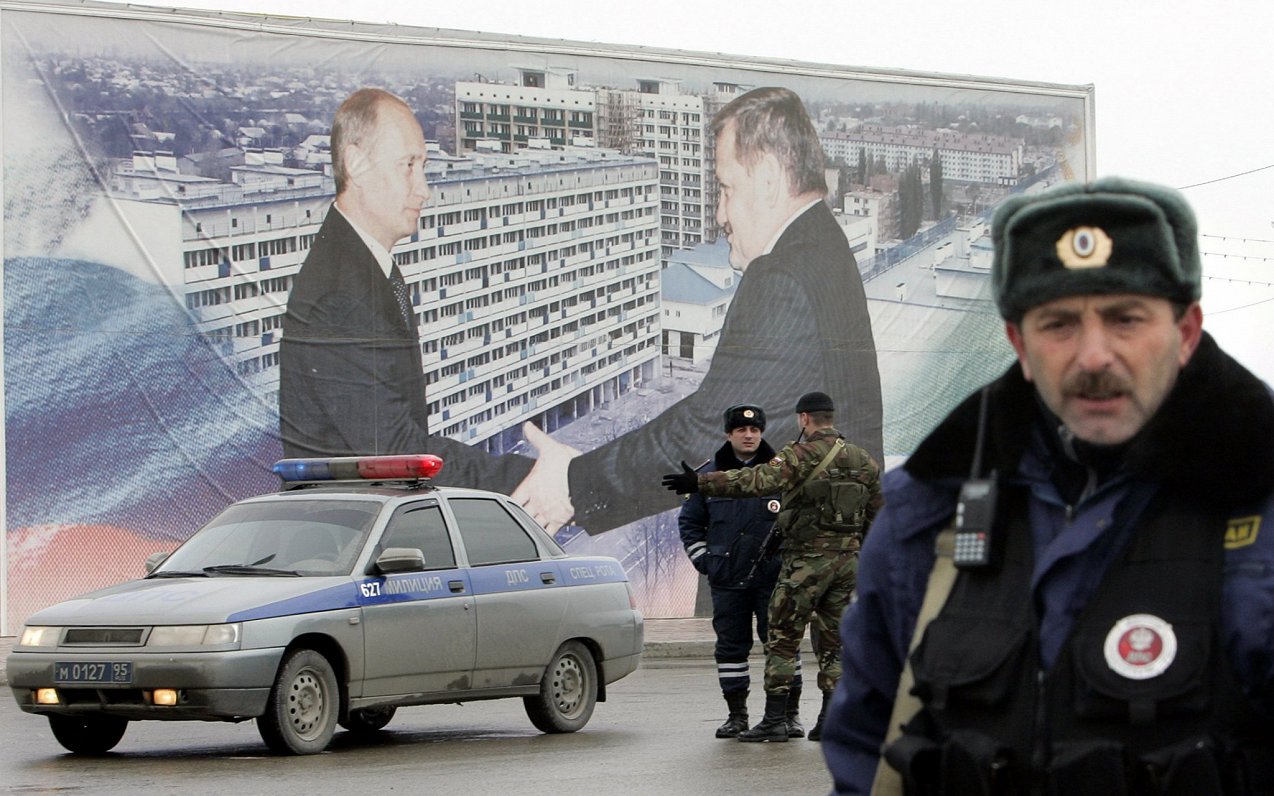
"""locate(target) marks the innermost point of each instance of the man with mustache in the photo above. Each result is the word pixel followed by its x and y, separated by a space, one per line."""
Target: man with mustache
pixel 1072 577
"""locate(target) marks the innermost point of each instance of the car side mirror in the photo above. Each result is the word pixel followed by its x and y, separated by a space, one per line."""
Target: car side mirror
pixel 400 559
pixel 154 560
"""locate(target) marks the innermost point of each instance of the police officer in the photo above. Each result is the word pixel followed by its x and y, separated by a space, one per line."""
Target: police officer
pixel 1117 638
pixel 831 492
pixel 723 538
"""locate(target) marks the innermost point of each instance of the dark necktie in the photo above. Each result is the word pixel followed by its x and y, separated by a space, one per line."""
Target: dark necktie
pixel 400 293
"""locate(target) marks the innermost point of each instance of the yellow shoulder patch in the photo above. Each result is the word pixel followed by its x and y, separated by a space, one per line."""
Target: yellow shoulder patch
pixel 1241 531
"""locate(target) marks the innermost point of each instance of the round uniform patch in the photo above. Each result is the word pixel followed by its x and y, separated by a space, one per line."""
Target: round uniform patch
pixel 1084 247
pixel 772 506
pixel 1140 646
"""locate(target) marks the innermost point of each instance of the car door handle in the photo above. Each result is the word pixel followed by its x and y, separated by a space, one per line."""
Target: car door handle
pixel 456 586
pixel 548 577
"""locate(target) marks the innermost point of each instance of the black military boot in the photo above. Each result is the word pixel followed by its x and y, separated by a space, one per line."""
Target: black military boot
pixel 773 726
pixel 816 732
pixel 737 721
pixel 794 727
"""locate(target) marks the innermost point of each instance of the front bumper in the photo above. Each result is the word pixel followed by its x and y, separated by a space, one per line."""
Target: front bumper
pixel 211 686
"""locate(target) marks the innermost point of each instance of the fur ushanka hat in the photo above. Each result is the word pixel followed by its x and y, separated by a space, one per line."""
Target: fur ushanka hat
pixel 1108 236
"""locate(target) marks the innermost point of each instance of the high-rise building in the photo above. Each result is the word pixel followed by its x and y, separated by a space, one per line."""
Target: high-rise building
pixel 548 107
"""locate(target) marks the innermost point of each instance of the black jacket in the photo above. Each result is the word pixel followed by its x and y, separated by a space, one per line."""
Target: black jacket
pixel 350 375
pixel 797 323
pixel 723 536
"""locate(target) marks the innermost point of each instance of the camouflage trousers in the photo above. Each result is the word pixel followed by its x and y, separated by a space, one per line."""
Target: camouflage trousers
pixel 813 589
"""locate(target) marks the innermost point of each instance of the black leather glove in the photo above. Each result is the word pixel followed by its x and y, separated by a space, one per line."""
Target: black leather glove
pixel 685 482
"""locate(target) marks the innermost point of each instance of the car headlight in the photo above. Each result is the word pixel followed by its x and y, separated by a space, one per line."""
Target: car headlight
pixel 40 636
pixel 193 635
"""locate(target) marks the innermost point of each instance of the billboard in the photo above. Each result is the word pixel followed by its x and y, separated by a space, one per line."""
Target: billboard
pixel 576 321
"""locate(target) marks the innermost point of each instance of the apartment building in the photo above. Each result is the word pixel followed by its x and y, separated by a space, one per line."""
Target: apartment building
pixel 970 157
pixel 548 107
pixel 544 104
pixel 535 275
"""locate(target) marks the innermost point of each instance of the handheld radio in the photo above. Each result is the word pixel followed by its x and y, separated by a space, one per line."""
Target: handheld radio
pixel 975 509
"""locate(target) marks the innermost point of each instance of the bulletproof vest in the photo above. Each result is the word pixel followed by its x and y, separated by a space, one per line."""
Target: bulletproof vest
pixel 1141 700
pixel 833 504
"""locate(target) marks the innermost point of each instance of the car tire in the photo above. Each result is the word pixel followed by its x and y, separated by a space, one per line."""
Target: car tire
pixel 88 735
pixel 300 716
pixel 369 720
pixel 568 691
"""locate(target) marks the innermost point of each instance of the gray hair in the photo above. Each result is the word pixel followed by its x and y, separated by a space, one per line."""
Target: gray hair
pixel 773 120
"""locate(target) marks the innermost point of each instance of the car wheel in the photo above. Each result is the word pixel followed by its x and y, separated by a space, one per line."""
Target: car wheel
pixel 300 716
pixel 568 691
pixel 369 720
pixel 88 735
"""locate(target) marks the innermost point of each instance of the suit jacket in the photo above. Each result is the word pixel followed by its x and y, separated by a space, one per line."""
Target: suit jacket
pixel 798 322
pixel 350 376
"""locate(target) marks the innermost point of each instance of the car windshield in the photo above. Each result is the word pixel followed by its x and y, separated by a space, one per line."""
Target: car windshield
pixel 278 537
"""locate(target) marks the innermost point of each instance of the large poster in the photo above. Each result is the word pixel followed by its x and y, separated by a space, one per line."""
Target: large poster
pixel 569 282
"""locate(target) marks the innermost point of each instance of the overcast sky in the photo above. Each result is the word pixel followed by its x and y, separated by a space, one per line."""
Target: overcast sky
pixel 1182 87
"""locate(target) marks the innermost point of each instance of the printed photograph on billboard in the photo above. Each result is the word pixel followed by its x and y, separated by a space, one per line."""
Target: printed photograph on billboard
pixel 576 314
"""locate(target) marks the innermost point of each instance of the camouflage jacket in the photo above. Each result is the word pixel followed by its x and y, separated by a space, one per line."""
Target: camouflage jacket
pixel 802 521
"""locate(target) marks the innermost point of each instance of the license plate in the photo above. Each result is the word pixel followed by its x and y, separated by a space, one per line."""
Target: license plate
pixel 103 672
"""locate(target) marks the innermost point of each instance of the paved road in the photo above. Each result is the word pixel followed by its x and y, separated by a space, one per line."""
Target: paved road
pixel 653 736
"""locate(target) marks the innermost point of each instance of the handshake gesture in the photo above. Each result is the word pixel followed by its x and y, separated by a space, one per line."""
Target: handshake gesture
pixel 685 482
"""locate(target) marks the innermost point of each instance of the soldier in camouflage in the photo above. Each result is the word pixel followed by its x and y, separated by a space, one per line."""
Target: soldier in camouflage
pixel 831 494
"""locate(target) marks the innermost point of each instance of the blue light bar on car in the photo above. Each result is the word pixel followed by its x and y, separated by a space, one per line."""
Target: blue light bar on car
pixel 410 467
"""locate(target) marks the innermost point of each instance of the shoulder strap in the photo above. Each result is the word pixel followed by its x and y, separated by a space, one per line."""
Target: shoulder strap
pixel 831 454
pixel 942 577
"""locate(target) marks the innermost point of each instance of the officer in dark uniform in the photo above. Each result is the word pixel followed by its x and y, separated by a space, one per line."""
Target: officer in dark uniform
pixel 1076 566
pixel 831 494
pixel 723 538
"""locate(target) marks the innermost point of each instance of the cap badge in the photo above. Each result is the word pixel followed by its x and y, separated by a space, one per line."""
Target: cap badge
pixel 1140 646
pixel 749 414
pixel 773 506
pixel 1084 247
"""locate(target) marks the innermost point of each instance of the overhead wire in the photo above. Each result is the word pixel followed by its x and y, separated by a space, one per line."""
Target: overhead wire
pixel 1223 179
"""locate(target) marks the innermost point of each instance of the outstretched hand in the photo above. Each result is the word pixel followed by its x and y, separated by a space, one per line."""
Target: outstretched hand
pixel 685 482
pixel 545 492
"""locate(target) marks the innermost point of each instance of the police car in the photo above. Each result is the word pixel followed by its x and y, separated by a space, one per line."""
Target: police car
pixel 355 590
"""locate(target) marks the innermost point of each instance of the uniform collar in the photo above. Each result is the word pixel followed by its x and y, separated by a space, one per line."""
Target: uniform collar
pixel 726 459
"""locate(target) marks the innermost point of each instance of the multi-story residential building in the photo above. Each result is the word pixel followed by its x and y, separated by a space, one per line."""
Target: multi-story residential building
pixel 969 157
pixel 535 275
pixel 545 104
pixel 673 129
pixel 655 119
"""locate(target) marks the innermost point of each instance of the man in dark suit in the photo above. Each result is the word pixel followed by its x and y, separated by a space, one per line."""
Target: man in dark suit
pixel 798 322
pixel 351 381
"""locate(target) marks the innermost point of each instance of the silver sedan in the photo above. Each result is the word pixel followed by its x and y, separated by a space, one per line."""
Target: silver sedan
pixel 356 589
